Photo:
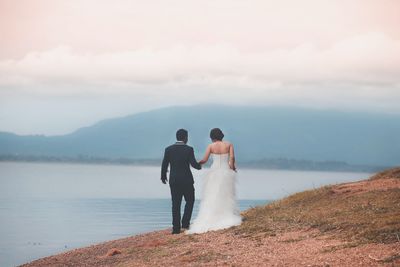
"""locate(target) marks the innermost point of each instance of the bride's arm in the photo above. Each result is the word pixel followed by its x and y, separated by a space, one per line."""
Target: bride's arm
pixel 232 163
pixel 206 155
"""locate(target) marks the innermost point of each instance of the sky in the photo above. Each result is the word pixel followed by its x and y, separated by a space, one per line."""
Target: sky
pixel 65 64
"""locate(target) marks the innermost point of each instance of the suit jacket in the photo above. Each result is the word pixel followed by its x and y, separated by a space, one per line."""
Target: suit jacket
pixel 179 157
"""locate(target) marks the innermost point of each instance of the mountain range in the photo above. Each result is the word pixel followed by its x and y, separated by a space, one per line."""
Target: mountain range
pixel 257 132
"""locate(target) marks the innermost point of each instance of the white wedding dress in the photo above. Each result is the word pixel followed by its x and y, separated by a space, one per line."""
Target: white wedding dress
pixel 218 208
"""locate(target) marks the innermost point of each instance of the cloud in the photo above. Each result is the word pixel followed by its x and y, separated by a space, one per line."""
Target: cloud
pixel 366 59
pixel 358 73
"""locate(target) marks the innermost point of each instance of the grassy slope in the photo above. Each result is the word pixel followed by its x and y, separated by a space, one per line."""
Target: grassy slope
pixel 355 215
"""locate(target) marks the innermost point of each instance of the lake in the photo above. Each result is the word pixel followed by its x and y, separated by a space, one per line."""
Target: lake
pixel 50 208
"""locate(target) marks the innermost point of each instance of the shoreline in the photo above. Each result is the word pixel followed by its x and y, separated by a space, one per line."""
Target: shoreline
pixel 249 165
pixel 310 228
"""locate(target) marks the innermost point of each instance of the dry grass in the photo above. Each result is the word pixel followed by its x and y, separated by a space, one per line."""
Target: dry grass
pixel 387 174
pixel 369 216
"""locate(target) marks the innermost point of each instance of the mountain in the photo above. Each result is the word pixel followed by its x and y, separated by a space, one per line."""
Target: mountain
pixel 257 132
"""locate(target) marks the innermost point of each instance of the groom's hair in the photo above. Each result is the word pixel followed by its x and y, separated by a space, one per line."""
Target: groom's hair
pixel 181 135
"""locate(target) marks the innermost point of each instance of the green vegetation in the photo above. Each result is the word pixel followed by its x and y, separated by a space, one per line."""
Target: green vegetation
pixel 275 164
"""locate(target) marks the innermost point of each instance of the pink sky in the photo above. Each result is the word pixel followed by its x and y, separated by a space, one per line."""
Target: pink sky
pixel 112 58
pixel 106 26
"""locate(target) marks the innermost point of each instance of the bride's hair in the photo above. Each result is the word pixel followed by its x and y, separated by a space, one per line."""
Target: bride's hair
pixel 216 134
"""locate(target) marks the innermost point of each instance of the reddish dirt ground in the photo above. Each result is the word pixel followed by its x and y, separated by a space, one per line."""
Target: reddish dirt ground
pixel 224 248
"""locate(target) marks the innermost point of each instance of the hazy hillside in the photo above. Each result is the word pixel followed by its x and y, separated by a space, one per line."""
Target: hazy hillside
pixel 258 132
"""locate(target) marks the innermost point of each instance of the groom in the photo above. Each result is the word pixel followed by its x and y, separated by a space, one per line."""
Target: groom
pixel 180 156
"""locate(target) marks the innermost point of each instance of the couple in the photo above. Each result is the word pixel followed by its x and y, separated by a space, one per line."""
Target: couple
pixel 218 204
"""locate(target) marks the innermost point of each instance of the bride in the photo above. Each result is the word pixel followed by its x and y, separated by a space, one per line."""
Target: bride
pixel 218 204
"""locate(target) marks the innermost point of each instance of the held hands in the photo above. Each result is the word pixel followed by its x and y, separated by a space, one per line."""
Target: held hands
pixel 233 167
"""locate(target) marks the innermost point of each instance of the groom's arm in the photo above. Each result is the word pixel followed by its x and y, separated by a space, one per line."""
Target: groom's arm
pixel 164 167
pixel 193 160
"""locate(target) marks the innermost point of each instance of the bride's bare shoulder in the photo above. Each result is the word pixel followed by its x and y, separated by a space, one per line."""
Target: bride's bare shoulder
pixel 210 147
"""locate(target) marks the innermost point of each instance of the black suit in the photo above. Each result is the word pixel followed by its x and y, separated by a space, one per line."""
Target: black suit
pixel 180 157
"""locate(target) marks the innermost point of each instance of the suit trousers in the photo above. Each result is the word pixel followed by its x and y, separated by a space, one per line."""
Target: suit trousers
pixel 177 192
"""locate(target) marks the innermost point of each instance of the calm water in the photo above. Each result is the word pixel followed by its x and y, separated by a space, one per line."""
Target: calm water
pixel 50 208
